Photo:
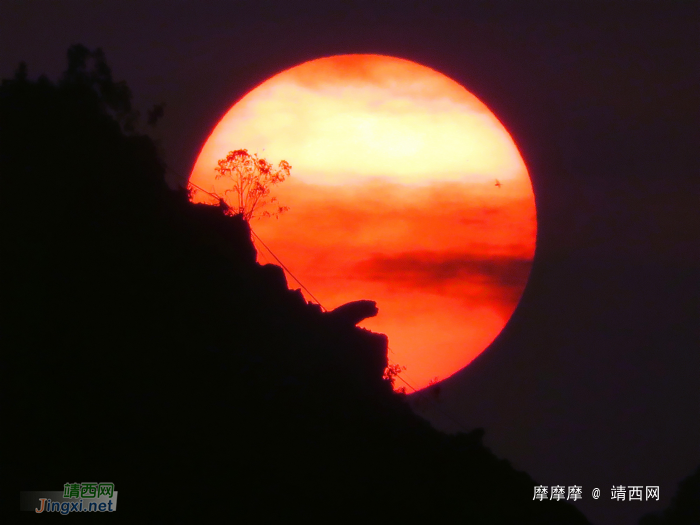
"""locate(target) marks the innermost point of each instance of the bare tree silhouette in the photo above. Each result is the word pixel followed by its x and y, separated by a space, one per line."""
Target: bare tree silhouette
pixel 252 179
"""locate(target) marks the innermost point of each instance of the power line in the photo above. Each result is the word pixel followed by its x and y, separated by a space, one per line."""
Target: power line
pixel 268 249
pixel 287 270
pixel 438 408
pixel 205 191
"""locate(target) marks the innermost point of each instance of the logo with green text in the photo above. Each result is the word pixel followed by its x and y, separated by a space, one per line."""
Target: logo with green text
pixel 76 497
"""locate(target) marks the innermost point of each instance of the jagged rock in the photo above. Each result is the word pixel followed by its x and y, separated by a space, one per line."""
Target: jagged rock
pixel 355 311
pixel 235 231
pixel 274 275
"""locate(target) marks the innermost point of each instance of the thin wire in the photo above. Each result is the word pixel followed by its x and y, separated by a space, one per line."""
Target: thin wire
pixel 271 252
pixel 205 191
pixel 437 407
pixel 288 271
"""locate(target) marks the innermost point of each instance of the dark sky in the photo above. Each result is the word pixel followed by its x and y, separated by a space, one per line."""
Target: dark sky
pixel 595 380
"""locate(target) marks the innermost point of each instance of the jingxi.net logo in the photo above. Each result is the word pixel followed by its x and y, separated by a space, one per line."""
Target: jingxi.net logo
pixel 76 497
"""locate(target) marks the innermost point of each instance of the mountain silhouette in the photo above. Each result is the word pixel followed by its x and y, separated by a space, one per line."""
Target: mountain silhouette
pixel 153 351
pixel 684 508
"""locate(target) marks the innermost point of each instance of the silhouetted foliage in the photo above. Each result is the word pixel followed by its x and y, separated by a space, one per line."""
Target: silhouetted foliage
pixel 391 372
pixel 153 351
pixel 88 69
pixel 252 179
pixel 155 114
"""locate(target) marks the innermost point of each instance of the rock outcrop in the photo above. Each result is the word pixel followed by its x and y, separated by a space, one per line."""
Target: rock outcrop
pixel 354 312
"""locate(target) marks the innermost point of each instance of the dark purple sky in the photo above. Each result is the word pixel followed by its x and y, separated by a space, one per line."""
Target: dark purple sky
pixel 595 380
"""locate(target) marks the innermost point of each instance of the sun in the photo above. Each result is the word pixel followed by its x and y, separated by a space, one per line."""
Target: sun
pixel 405 189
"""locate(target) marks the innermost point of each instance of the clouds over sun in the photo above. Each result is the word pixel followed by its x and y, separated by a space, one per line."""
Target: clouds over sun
pixel 384 118
pixel 437 270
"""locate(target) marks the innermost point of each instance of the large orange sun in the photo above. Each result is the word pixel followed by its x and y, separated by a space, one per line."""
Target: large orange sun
pixel 405 189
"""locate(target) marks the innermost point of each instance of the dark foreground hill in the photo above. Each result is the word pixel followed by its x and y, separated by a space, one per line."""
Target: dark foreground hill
pixel 152 351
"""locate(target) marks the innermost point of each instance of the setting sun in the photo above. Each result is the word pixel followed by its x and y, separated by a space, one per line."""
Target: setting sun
pixel 405 189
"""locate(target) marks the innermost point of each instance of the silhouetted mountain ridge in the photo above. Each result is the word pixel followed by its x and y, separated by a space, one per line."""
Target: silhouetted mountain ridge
pixel 155 352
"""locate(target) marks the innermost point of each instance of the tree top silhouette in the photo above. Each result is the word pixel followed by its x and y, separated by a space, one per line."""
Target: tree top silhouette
pixel 252 179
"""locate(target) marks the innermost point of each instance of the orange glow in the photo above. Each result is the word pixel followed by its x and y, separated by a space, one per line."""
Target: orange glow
pixel 393 197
